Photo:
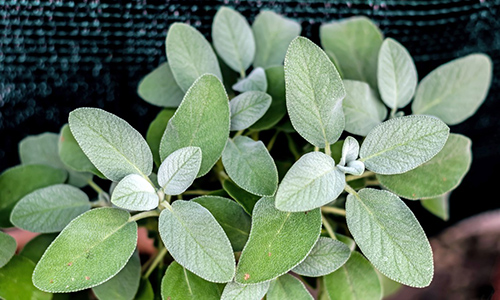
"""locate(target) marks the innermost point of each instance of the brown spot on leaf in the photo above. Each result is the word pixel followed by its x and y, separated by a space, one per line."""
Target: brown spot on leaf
pixel 169 298
pixel 413 195
pixel 444 178
pixel 269 254
pixel 70 264
pixel 87 278
pixel 51 281
pixel 305 212
pixel 247 276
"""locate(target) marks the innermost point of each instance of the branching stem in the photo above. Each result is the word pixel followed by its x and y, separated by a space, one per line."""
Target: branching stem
pixel 354 177
pixel 143 215
pixel 328 228
pixel 159 257
pixel 333 210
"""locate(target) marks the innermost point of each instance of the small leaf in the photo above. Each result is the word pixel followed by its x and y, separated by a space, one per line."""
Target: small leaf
pixel 160 88
pixel 402 144
pixel 189 55
pixel 314 93
pixel 244 198
pixel 15 281
pixel 255 81
pixel 49 209
pixel 350 150
pixel 135 193
pixel 196 241
pixel 8 248
pixel 145 291
pixel 179 170
pixel 236 291
pixel 34 249
pixel 356 168
pixel 311 182
pixel 278 242
pixel 438 206
pixel 454 91
pixel 247 108
pixel 93 248
pixel 155 132
pixel 288 287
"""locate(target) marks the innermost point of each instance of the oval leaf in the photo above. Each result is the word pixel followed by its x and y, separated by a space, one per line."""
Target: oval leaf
pixel 156 130
pixel 179 170
pixel 135 193
pixel 8 248
pixel 438 206
pixel 246 200
pixel 15 281
pixel 247 108
pixel 236 291
pixel 350 151
pixel 288 287
pixel 35 248
pixel 255 81
pixel 160 88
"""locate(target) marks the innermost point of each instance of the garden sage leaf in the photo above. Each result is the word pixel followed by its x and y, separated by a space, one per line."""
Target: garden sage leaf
pixel 314 93
pixel 402 144
pixel 354 167
pixel 288 287
pixel 160 88
pixel 438 206
pixel 135 193
pixel 247 108
pixel 350 151
pixel 245 199
pixel 15 281
pixel 35 248
pixel 255 81
pixel 178 171
pixel 236 291
pixel 390 236
pixel 155 132
pixel 145 291
pixel 8 248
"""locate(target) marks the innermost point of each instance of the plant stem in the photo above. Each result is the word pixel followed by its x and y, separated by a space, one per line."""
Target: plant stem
pixel 95 186
pixel 316 148
pixel 393 112
pixel 272 140
pixel 350 190
pixel 238 133
pixel 144 214
pixel 333 210
pixel 159 257
pixel 292 147
pixel 371 182
pixel 328 228
pixel 196 192
pixel 242 74
pixel 354 177
pixel 328 151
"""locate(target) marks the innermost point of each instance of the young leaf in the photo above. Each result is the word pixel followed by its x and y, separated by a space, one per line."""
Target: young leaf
pixel 8 248
pixel 278 242
pixel 233 39
pixel 179 170
pixel 155 132
pixel 34 249
pixel 250 166
pixel 287 287
pixel 201 120
pixel 111 144
pixel 15 281
pixel 179 283
pixel 311 182
pixel 354 167
pixel 49 209
pixel 160 88
pixel 441 174
pixel 196 241
pixel 438 206
pixel 356 280
pixel 402 144
pixel 255 81
pixel 189 55
pixel 350 150
pixel 93 248
pixel 454 91
pixel 327 256
pixel 135 193
pixel 236 291
pixel 390 236
pixel 273 33
pixel 247 108
pixel 246 200
pixel 314 93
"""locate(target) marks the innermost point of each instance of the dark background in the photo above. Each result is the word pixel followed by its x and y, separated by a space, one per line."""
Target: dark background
pixel 58 55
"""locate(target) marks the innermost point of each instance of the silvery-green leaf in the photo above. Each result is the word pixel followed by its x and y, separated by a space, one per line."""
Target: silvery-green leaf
pixel 245 199
pixel 155 132
pixel 93 248
pixel 397 75
pixel 356 280
pixel 273 33
pixel 236 291
pixel 233 39
pixel 135 193
pixel 179 283
pixel 8 248
pixel 438 206
pixel 363 110
pixel 111 144
pixel 441 174
pixel 311 182
pixel 354 167
pixel 402 144
pixel 49 209
pixel 196 241
pixel 178 171
pixel 327 256
pixel 15 281
pixel 202 120
pixel 250 166
pixel 255 81
pixel 353 44
pixel 189 55
pixel 278 242
pixel 350 150
pixel 247 108
pixel 454 91
pixel 35 248
pixel 160 88
pixel 288 287
pixel 314 93
pixel 390 236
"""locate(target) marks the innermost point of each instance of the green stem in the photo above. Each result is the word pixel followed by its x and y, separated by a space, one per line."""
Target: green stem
pixel 316 149
pixel 95 186
pixel 292 147
pixel 196 192
pixel 354 177
pixel 272 140
pixel 333 210
pixel 242 74
pixel 238 133
pixel 393 112
pixel 371 182
pixel 159 257
pixel 350 190
pixel 328 151
pixel 143 215
pixel 328 228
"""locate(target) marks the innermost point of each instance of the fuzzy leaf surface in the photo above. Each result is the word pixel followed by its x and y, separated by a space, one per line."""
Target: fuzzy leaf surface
pixel 288 287
pixel 15 281
pixel 255 81
pixel 155 132
pixel 179 283
pixel 236 291
pixel 350 150
pixel 34 249
pixel 179 170
pixel 8 248
pixel 160 88
pixel 245 199
pixel 135 193
pixel 247 108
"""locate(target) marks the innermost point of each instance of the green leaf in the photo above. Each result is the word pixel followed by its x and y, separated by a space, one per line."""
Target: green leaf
pixel 145 291
pixel 34 249
pixel 160 88
pixel 389 287
pixel 244 198
pixel 390 236
pixel 278 242
pixel 233 39
pixel 356 280
pixel 273 33
pixel 111 144
pixel 179 170
pixel 180 284
pixel 189 55
pixel 397 75
pixel 454 91
pixel 314 93
pixel 32 177
pixel 155 132
pixel 15 281
pixel 288 287
pixel 236 291
pixel 234 221
pixel 346 240
pixel 255 81
pixel 93 248
pixel 135 193
pixel 247 108
pixel 49 209
pixel 402 144
pixel 353 44
pixel 8 248
pixel 438 206
pixel 124 285
pixel 441 174
pixel 201 120
pixel 250 166
pixel 311 182
pixel 196 241
pixel 327 256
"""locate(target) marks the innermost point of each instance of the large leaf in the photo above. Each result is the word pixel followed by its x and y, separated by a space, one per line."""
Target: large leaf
pixel 189 55
pixel 311 182
pixel 390 236
pixel 244 198
pixel 111 144
pixel 201 120
pixel 288 287
pixel 402 144
pixel 15 281
pixel 93 248
pixel 314 93
pixel 454 91
pixel 135 193
pixel 35 248
pixel 8 248
pixel 155 132
pixel 438 206
pixel 160 88
pixel 247 108
pixel 179 170
pixel 196 241
pixel 278 242
pixel 236 291
pixel 255 81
